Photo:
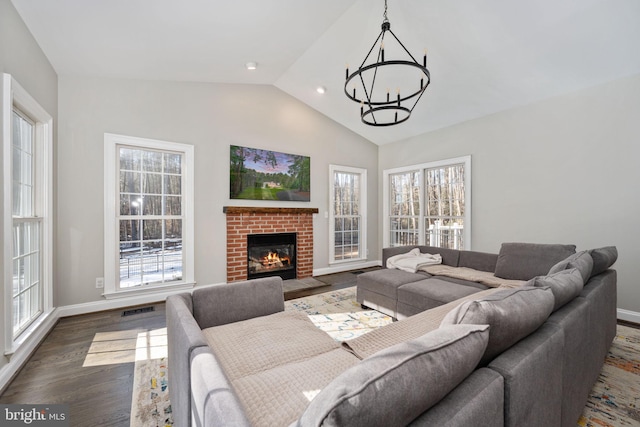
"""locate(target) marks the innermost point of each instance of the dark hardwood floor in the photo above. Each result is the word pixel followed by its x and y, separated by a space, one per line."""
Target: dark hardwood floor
pixel 87 362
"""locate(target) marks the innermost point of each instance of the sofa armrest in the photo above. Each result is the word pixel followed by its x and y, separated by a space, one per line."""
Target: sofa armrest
pixel 184 336
pixel 213 402
pixel 233 302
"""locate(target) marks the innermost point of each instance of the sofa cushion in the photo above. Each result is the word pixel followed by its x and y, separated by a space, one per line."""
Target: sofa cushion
pixel 478 260
pixel 603 258
pixel 430 293
pixel 524 261
pixel 512 314
pixel 374 392
pixel 386 281
pixel 565 285
pixel 580 260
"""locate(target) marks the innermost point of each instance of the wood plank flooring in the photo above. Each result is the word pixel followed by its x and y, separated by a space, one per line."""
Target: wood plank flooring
pixel 58 371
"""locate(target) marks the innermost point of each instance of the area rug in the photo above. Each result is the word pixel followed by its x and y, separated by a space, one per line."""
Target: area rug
pixel 150 405
pixel 338 314
pixel 615 398
pixel 613 402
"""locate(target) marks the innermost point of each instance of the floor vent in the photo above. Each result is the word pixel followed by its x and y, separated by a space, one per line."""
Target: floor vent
pixel 137 311
pixel 357 272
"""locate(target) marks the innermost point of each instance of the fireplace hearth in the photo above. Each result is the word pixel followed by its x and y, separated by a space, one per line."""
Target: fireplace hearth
pixel 271 254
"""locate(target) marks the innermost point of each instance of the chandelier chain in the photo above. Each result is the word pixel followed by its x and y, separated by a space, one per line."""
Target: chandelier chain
pixel 386 19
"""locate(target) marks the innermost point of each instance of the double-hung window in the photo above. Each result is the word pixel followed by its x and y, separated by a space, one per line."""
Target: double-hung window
pixel 348 190
pixel 429 204
pixel 149 221
pixel 27 194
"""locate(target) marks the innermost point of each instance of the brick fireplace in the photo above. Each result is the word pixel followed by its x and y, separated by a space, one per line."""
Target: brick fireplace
pixel 243 221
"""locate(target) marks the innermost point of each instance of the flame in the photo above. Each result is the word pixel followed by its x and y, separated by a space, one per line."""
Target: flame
pixel 274 260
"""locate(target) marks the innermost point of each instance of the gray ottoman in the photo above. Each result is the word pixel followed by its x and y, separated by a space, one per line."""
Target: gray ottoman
pixel 379 289
pixel 419 296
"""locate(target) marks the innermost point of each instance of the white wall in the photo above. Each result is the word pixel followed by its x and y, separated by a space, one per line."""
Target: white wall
pixel 563 170
pixel 21 57
pixel 211 117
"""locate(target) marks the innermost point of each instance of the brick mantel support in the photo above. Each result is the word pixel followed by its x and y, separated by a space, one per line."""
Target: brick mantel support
pixel 242 220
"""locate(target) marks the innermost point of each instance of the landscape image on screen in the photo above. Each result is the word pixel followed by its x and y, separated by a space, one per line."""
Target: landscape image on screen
pixel 269 175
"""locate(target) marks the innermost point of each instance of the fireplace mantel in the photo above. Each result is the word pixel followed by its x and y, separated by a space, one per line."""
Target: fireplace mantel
pixel 245 220
pixel 266 210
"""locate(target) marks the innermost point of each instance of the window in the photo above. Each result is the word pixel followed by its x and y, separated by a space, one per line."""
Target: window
pixel 149 214
pixel 429 204
pixel 27 198
pixel 347 224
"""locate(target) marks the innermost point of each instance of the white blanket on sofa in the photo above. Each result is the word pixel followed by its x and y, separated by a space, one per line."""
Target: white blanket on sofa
pixel 413 260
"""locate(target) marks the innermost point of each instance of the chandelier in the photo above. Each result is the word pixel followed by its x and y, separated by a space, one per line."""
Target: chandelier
pixel 372 83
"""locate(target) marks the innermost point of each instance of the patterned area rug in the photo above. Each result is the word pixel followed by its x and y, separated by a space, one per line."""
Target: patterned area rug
pixel 150 405
pixel 338 314
pixel 615 398
pixel 613 402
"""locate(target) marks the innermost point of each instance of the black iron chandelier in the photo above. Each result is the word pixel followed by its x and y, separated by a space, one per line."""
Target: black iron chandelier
pixel 371 84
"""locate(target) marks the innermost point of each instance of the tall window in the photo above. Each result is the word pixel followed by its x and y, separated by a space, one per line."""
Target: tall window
pixel 27 289
pixel 27 152
pixel 348 213
pixel 152 224
pixel 429 204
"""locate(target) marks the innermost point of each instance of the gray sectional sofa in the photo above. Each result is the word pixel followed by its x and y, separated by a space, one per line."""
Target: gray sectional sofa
pixel 523 355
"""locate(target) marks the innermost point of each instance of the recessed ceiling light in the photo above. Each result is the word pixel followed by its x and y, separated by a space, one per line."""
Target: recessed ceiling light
pixel 321 89
pixel 251 65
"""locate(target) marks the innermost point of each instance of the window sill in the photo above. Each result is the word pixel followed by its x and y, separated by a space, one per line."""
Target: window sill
pixel 158 289
pixel 40 327
pixel 347 261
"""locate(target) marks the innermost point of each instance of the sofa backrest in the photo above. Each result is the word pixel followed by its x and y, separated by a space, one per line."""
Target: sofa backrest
pixel 478 260
pixel 250 298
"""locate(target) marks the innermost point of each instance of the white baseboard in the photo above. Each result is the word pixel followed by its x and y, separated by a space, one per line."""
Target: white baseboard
pixel 629 316
pixel 111 304
pixel 346 267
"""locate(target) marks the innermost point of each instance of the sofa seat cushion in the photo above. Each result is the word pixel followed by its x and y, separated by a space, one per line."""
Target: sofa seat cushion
pixel 387 281
pixel 375 391
pixel 405 330
pixel 259 344
pixel 430 293
pixel 512 315
pixel 278 396
pixel 524 261
pixel 486 278
pixel 479 286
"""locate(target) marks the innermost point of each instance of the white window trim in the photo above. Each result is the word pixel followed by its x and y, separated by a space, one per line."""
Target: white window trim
pixel 13 94
pixel 363 204
pixel 111 206
pixel 466 160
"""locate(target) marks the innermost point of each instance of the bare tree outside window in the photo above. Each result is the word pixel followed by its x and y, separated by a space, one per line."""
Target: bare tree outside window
pixel 150 220
pixel 429 205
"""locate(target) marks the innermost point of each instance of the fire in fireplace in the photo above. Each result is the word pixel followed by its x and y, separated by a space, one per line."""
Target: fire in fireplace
pixel 271 255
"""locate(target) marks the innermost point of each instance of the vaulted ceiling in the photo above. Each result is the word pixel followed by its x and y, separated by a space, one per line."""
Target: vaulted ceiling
pixel 485 56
